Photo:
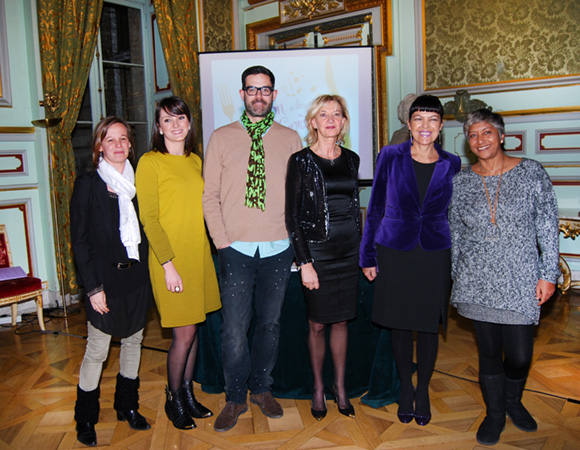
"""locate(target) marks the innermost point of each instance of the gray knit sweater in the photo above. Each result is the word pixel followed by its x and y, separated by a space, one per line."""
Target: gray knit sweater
pixel 494 280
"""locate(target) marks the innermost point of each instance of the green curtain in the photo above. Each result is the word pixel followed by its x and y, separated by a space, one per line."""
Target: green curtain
pixel 177 23
pixel 68 34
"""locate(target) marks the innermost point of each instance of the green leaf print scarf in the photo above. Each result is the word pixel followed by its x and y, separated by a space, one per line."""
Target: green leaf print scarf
pixel 256 178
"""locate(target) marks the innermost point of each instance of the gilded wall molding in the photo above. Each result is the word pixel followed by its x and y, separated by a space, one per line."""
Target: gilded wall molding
pixel 17 130
pixel 253 30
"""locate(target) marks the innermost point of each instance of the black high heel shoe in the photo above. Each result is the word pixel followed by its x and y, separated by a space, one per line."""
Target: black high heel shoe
pixel 406 416
pixel 319 414
pixel 348 411
pixel 424 418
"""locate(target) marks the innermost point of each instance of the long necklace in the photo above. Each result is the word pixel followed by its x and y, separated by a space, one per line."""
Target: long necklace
pixel 493 231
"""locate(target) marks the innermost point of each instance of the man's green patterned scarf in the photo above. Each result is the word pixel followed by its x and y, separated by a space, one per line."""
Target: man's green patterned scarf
pixel 256 178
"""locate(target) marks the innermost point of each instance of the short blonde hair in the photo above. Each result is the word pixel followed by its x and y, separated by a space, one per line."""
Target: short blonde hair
pixel 315 108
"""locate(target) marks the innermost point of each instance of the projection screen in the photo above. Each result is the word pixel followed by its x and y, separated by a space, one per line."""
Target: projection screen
pixel 301 75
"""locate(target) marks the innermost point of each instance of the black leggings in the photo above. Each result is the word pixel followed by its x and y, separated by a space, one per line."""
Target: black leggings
pixel 515 342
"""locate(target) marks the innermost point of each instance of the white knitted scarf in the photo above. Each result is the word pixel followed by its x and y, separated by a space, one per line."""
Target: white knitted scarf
pixel 123 184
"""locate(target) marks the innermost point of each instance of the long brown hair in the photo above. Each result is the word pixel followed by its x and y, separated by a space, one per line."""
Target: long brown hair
pixel 175 107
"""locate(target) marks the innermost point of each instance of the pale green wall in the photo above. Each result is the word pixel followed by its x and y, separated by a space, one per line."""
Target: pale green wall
pixel 32 188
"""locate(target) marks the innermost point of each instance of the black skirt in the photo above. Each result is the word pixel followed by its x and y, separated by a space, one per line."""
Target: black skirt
pixel 412 289
pixel 336 263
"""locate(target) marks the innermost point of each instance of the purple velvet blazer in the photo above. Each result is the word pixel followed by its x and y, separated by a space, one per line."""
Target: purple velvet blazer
pixel 395 218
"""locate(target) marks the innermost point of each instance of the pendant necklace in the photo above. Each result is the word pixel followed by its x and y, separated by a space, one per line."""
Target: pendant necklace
pixel 492 231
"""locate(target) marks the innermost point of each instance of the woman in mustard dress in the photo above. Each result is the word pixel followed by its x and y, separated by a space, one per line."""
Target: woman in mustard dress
pixel 169 189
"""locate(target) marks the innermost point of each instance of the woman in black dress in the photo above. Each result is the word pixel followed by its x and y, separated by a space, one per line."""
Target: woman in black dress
pixel 110 251
pixel 406 247
pixel 322 218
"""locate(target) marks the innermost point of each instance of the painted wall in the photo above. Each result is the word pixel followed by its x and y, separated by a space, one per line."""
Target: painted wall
pixel 24 193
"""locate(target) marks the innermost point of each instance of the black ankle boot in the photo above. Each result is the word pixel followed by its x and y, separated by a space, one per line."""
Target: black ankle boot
pixel 493 390
pixel 176 410
pixel 518 414
pixel 127 403
pixel 196 409
pixel 87 416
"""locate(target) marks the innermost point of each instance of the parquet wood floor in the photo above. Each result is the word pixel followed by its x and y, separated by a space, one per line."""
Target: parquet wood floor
pixel 39 374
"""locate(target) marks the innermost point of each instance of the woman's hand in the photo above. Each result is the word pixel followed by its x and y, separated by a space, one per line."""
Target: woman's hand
pixel 172 279
pixel 99 302
pixel 370 272
pixel 309 276
pixel 544 290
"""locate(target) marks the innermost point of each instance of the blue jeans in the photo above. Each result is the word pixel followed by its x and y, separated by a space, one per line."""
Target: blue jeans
pixel 240 275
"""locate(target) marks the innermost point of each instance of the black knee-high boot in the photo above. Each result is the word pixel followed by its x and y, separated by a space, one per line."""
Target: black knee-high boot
pixel 177 411
pixel 195 408
pixel 127 403
pixel 87 415
pixel 516 411
pixel 493 390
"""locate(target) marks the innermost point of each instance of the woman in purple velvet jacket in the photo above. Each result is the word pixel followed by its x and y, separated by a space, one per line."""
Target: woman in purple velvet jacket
pixel 406 247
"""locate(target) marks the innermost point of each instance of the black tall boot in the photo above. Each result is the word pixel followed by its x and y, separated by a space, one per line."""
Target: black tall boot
pixel 493 390
pixel 519 415
pixel 177 411
pixel 127 403
pixel 87 415
pixel 195 408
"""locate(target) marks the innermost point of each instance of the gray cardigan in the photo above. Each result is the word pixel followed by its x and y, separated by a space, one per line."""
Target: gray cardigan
pixel 494 280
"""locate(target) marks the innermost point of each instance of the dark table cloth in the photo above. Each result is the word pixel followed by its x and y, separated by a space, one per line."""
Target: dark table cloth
pixel 370 366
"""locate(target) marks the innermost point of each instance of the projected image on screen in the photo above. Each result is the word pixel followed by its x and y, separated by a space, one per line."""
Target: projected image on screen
pixel 301 75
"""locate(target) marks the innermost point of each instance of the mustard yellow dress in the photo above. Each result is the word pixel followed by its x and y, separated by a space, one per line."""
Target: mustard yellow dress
pixel 169 190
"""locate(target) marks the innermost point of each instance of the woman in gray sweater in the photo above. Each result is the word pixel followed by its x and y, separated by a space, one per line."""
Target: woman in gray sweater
pixel 504 230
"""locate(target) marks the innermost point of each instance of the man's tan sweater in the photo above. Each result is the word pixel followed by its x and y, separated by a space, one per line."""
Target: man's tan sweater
pixel 225 172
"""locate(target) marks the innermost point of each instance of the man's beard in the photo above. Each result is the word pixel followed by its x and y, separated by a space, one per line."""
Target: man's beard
pixel 251 111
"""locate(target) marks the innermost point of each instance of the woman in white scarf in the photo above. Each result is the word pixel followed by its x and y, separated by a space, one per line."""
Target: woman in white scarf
pixel 111 253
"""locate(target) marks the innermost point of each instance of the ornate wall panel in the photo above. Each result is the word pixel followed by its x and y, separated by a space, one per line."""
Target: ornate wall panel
pixel 16 217
pixel 558 140
pixel 217 26
pixel 5 87
pixel 470 42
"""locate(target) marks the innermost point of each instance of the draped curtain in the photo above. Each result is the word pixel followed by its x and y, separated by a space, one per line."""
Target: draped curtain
pixel 177 23
pixel 68 34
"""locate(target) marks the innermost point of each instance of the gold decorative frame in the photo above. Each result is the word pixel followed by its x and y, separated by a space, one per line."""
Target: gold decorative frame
pixel 5 87
pixel 351 6
pixel 157 56
pixel 292 11
pixel 508 84
pixel 382 50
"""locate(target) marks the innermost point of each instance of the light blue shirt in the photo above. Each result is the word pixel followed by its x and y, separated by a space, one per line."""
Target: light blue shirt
pixel 266 249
